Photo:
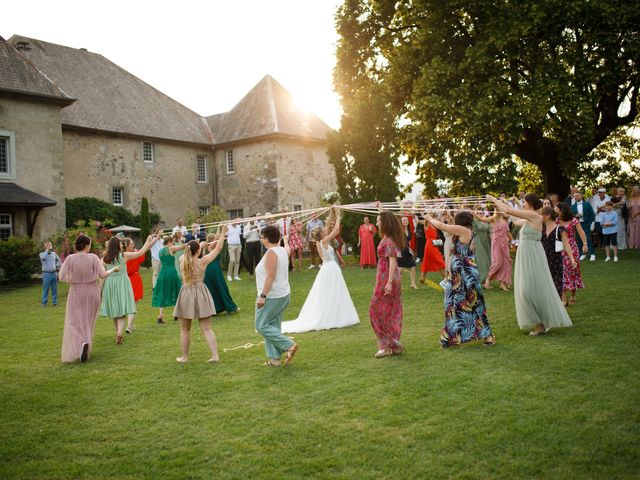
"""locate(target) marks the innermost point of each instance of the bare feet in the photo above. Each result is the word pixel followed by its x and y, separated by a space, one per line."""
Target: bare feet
pixel 503 286
pixel 182 359
pixel 487 286
pixel 414 286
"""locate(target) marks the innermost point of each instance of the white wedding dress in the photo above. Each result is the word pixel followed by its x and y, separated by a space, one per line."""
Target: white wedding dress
pixel 329 303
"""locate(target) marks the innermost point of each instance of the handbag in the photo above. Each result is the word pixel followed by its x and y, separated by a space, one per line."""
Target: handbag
pixel 559 244
pixel 437 243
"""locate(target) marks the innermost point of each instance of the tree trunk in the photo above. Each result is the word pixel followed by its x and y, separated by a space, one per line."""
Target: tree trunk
pixel 555 181
pixel 546 155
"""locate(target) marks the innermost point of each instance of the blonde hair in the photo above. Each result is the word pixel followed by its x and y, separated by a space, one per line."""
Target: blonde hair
pixel 186 263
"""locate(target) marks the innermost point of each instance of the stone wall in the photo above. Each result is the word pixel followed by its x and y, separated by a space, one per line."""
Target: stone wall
pixel 39 164
pixel 95 163
pixel 274 174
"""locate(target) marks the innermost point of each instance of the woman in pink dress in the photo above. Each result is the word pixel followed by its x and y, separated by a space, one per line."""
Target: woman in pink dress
pixel 571 277
pixel 385 309
pixel 633 239
pixel 295 242
pixel 500 269
pixel 365 242
pixel 82 270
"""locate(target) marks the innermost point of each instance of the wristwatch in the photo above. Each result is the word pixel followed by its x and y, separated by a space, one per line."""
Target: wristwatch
pixel 262 295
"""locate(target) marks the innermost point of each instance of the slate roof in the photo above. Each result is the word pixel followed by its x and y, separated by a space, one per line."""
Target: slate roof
pixel 19 76
pixel 268 109
pixel 111 99
pixel 17 196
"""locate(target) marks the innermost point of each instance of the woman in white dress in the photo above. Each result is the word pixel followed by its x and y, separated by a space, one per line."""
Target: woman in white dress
pixel 329 303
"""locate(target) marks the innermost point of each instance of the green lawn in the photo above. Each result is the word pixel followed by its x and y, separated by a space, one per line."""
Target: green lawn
pixel 565 405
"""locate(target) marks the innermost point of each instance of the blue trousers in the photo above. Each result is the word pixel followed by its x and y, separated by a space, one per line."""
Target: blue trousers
pixel 268 324
pixel 50 281
pixel 587 233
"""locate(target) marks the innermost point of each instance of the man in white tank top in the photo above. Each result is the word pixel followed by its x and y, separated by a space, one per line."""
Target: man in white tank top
pixel 272 282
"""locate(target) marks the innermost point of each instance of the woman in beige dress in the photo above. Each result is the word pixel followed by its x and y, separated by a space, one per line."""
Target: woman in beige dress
pixel 194 300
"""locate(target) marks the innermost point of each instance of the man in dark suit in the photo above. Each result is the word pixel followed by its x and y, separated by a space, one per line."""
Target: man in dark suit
pixel 584 212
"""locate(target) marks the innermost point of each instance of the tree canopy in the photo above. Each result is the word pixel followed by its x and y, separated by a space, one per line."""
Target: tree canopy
pixel 463 88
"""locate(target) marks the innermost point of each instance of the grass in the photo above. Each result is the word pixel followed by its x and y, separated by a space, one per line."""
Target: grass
pixel 563 405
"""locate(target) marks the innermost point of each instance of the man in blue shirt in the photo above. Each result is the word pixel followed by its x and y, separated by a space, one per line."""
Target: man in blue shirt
pixel 50 265
pixel 609 221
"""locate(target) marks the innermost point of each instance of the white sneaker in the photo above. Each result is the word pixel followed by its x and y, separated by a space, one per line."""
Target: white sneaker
pixel 592 258
pixel 607 259
pixel 229 278
pixel 311 267
pixel 615 259
pixel 236 278
pixel 582 257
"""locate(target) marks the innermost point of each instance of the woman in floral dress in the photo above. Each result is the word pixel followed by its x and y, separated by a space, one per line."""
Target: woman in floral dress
pixel 295 243
pixel 572 279
pixel 385 309
pixel 465 314
pixel 551 232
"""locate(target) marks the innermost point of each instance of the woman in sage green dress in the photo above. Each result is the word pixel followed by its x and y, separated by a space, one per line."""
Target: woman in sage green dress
pixel 215 282
pixel 537 302
pixel 482 232
pixel 168 284
pixel 117 294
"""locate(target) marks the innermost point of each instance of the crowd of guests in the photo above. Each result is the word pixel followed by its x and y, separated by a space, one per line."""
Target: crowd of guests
pixel 470 247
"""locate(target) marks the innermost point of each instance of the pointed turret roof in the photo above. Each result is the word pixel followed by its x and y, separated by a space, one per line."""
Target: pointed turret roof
pixel 268 109
pixel 110 99
pixel 21 77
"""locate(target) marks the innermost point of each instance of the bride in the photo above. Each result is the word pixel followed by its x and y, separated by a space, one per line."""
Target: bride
pixel 329 303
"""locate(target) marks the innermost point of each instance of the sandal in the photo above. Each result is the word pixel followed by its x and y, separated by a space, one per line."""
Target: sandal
pixel 290 353
pixel 271 363
pixel 118 339
pixel 537 333
pixel 383 353
pixel 182 359
pixel 160 321
pixel 490 343
pixel 572 301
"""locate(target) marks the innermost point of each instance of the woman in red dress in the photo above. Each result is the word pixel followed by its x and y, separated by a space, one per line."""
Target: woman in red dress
pixel 433 260
pixel 385 309
pixel 365 242
pixel 133 271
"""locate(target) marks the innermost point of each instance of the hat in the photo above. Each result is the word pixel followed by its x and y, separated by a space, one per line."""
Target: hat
pixel 602 190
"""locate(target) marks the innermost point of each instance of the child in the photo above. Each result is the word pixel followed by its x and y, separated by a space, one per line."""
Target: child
pixel 609 223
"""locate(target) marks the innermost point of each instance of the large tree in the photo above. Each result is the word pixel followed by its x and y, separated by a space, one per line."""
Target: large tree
pixel 466 86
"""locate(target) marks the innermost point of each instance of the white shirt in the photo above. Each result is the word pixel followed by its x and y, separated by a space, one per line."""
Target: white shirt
pixel 280 287
pixel 233 234
pixel 155 249
pixel 251 233
pixel 178 228
pixel 580 208
pixel 284 224
pixel 597 203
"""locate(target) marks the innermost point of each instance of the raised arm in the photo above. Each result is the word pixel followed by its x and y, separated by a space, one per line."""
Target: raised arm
pixel 151 239
pixel 211 256
pixel 504 207
pixel 334 232
pixel 463 233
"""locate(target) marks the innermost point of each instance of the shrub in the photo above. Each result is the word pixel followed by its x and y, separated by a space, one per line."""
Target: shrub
pixel 85 209
pixel 19 259
pixel 64 240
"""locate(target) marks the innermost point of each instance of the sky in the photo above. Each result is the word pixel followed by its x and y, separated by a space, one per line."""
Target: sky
pixel 205 54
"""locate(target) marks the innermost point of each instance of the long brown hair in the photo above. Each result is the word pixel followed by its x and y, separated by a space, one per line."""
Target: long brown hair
pixel 114 247
pixel 391 226
pixel 186 267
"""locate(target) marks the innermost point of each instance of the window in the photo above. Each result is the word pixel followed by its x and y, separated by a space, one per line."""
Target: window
pixel 7 155
pixel 203 211
pixel 117 196
pixel 230 166
pixel 202 168
pixel 297 207
pixel 235 214
pixel 6 229
pixel 147 152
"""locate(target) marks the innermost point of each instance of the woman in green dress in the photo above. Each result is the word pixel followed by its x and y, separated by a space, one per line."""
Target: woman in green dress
pixel 537 302
pixel 117 293
pixel 215 282
pixel 168 284
pixel 482 234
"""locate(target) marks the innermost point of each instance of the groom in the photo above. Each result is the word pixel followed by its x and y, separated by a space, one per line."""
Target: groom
pixel 584 212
